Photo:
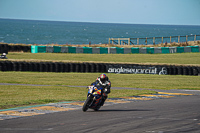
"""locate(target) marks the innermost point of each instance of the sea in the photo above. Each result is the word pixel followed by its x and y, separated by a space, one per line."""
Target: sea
pixel 62 33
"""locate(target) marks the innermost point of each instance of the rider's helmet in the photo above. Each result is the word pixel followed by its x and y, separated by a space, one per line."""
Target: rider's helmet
pixel 103 78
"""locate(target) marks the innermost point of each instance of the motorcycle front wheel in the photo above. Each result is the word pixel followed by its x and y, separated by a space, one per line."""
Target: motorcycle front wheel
pixel 86 104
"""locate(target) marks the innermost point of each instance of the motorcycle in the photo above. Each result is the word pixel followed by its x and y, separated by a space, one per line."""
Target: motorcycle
pixel 94 97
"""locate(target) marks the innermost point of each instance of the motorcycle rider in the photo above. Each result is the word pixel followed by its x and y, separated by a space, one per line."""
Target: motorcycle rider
pixel 104 81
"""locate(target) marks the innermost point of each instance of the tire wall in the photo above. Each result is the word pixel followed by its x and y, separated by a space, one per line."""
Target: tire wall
pixel 19 48
pixel 97 67
pixel 3 48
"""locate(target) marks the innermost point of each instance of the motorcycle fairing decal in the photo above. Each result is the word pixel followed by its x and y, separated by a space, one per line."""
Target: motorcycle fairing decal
pixel 90 90
pixel 98 92
pixel 98 100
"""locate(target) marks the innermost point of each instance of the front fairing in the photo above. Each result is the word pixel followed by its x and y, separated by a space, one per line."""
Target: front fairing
pixel 96 92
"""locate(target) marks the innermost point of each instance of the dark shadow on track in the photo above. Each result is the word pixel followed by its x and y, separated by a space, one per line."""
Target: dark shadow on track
pixel 119 110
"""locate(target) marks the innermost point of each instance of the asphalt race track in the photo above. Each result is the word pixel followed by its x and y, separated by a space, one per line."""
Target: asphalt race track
pixel 163 115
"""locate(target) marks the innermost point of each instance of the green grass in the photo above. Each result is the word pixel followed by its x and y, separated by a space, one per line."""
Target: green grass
pixel 14 96
pixel 118 80
pixel 178 58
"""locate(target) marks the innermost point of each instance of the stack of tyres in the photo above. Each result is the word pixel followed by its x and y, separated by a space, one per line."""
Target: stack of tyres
pixel 175 70
pixel 98 67
pixel 49 67
pixel 42 67
pixel 198 70
pixel 7 66
pixel 190 71
pixel 103 68
pixel 66 67
pixel 26 48
pixel 36 67
pixel 88 67
pixel 23 66
pixel 72 67
pixel 180 70
pixel 60 67
pixel 78 67
pixel 29 67
pixel 185 71
pixel 82 65
pixel 57 67
pixel 3 66
pixel 170 70
pixel 14 66
pixel 195 71
pixel 92 67
pixel 54 67
pixel 3 48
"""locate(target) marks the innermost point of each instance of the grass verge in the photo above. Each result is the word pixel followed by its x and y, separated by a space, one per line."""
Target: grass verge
pixel 118 80
pixel 15 96
pixel 178 58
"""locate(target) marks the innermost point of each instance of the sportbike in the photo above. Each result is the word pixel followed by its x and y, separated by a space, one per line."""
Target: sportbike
pixel 94 97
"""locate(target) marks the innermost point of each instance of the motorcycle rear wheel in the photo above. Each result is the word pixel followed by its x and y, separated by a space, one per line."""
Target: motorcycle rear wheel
pixel 86 104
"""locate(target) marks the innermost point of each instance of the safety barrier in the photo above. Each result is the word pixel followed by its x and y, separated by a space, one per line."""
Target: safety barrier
pixel 114 50
pixel 97 50
pixel 19 48
pixel 86 67
pixel 3 48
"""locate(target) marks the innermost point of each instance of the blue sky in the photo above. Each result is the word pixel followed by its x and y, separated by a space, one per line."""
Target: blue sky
pixel 171 12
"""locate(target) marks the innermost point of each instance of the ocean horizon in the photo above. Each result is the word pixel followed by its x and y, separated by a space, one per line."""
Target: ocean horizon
pixel 67 32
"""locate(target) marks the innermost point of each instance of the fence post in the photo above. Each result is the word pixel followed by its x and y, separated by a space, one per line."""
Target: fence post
pixel 129 40
pixel 146 41
pixel 119 41
pixel 186 38
pixel 123 41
